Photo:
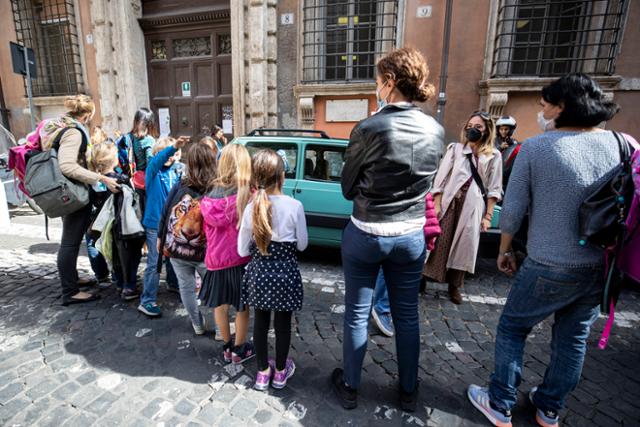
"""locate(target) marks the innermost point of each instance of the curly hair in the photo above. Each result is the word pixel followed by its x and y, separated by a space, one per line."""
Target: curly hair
pixel 408 68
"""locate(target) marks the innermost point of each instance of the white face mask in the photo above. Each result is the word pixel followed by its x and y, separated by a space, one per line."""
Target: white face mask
pixel 545 124
pixel 381 102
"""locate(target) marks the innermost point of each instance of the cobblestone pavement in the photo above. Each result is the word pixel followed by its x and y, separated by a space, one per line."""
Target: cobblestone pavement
pixel 104 363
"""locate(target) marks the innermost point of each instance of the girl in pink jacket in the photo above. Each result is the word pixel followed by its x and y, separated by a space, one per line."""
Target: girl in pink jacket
pixel 222 211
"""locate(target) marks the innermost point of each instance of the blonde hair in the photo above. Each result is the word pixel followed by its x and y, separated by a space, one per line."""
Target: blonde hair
pixel 234 171
pixel 98 136
pixel 162 143
pixel 79 105
pixel 268 169
pixel 486 146
pixel 104 157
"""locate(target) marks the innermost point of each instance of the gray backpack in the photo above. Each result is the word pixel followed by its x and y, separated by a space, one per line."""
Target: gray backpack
pixel 53 192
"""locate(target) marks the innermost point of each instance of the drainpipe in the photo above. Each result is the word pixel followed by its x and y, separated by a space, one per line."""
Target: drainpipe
pixel 444 63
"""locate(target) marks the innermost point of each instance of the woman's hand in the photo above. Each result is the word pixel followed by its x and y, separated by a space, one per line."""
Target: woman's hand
pixel 111 183
pixel 507 263
pixel 485 224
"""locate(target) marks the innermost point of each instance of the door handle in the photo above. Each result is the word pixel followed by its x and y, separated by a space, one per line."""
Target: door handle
pixel 298 190
pixel 185 121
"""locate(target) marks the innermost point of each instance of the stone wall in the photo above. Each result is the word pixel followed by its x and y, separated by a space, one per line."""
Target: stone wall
pixel 120 60
pixel 254 64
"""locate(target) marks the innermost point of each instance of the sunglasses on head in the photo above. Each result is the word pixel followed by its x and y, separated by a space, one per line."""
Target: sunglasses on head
pixel 483 114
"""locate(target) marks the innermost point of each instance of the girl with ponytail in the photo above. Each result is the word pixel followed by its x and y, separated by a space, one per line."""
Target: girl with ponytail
pixel 273 227
pixel 221 211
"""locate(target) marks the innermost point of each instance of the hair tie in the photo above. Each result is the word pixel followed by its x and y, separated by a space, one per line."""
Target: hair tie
pixel 260 187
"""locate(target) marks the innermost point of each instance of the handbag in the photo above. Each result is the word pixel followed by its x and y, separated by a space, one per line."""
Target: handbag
pixel 603 212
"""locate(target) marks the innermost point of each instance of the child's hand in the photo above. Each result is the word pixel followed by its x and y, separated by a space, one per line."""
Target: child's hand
pixel 111 183
pixel 181 142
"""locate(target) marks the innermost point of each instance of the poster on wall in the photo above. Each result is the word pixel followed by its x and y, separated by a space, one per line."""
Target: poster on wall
pixel 165 121
pixel 227 119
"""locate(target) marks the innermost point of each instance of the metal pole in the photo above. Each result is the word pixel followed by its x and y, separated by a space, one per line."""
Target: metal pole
pixel 29 94
pixel 444 65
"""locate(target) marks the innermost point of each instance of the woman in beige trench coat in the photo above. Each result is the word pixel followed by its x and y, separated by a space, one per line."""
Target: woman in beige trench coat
pixel 460 205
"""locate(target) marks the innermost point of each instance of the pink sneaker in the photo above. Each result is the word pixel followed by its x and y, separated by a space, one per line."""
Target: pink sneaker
pixel 264 378
pixel 280 377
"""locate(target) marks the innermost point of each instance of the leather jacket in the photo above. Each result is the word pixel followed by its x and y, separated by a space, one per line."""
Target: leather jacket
pixel 390 163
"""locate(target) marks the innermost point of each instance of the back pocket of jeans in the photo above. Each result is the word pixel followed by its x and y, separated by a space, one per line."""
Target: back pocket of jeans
pixel 554 290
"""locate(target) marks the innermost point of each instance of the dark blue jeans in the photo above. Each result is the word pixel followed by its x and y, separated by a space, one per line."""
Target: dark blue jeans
pixel 572 296
pixel 97 261
pixel 401 259
pixel 381 296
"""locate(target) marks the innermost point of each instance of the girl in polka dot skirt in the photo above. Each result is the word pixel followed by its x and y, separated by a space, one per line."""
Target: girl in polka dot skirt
pixel 273 227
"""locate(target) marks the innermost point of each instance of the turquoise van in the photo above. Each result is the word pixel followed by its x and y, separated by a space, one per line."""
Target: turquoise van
pixel 313 168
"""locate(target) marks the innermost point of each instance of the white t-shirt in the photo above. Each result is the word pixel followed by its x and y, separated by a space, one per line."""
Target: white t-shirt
pixel 288 224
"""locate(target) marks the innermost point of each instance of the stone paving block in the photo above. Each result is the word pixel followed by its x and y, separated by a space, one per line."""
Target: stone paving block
pixel 210 413
pixel 11 408
pixel 83 419
pixel 10 391
pixel 102 404
pixel 57 416
pixel 243 408
pixel 156 409
pixel 67 390
pixel 184 407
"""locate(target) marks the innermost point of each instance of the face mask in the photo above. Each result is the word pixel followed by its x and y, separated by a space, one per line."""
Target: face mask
pixel 473 135
pixel 381 102
pixel 545 125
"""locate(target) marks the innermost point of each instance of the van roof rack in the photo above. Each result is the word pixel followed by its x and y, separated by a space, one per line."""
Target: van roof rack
pixel 262 131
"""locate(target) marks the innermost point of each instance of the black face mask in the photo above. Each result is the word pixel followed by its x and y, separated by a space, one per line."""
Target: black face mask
pixel 473 135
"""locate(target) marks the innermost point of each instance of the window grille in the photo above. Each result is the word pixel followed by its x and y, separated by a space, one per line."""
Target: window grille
pixel 553 37
pixel 49 28
pixel 342 39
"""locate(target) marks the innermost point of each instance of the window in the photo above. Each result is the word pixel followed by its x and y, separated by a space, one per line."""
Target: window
pixel 288 152
pixel 343 38
pixel 323 163
pixel 553 37
pixel 49 28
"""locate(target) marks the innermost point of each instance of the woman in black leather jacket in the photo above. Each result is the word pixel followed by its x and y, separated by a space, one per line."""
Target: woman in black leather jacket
pixel 389 166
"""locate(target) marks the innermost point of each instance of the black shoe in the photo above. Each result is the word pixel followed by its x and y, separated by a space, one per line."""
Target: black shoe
pixel 409 401
pixel 348 397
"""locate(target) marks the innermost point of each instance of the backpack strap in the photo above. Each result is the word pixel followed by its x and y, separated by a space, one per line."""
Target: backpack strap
pixel 476 177
pixel 55 145
pixel 513 154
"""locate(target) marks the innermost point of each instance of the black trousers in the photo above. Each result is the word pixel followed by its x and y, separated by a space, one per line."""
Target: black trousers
pixel 74 227
pixel 126 259
pixel 282 326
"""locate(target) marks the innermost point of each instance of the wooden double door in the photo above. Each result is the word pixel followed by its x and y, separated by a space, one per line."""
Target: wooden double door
pixel 189 71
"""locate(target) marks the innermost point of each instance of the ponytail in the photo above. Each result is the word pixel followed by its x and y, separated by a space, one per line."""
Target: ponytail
pixel 261 217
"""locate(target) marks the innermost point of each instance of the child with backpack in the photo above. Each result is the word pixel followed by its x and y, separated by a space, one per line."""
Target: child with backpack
pixel 163 172
pixel 181 233
pixel 273 227
pixel 222 285
pixel 135 149
pixel 126 248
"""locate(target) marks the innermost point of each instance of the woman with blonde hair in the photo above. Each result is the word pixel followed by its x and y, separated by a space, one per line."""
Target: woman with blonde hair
pixel 466 189
pixel 222 210
pixel 71 138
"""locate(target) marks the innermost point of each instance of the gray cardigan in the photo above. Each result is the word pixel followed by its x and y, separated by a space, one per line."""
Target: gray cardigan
pixel 550 179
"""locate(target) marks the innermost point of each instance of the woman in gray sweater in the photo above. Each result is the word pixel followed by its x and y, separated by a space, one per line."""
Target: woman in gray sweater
pixel 550 179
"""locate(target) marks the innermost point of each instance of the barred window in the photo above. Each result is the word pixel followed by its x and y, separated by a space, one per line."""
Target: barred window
pixel 553 37
pixel 49 28
pixel 342 39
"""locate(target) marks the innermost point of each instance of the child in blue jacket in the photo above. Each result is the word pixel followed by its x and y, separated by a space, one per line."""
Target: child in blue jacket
pixel 162 174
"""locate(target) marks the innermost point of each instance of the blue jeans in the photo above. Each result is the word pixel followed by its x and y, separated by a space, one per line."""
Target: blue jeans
pixel 401 259
pixel 381 296
pixel 151 274
pixel 97 261
pixel 572 296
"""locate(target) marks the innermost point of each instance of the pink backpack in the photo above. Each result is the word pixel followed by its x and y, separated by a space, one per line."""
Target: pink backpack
pixel 627 259
pixel 19 155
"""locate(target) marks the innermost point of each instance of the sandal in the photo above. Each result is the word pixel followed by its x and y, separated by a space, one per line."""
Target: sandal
pixel 71 301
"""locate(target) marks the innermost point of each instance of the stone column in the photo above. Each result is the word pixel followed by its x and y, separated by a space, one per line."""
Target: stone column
pixel 120 60
pixel 254 64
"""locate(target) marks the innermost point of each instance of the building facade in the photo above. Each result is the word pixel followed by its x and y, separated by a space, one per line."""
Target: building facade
pixel 309 63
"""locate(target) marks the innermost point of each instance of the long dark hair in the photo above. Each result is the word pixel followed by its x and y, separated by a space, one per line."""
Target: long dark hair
pixel 201 167
pixel 147 119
